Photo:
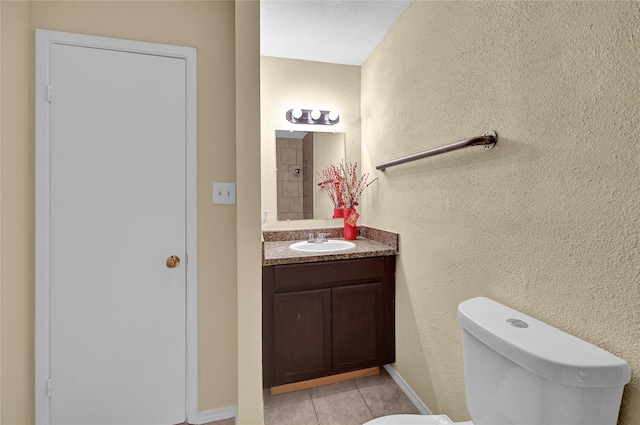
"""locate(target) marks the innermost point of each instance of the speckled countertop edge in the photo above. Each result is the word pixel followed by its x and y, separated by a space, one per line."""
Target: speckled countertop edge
pixel 370 243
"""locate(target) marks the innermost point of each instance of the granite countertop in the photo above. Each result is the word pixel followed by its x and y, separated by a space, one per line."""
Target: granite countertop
pixel 370 243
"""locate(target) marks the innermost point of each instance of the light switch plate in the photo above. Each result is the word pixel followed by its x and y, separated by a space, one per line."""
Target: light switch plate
pixel 224 193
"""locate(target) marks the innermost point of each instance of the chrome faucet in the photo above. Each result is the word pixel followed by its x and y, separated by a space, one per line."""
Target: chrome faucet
pixel 321 237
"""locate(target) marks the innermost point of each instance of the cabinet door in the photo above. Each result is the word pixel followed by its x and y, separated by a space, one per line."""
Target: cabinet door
pixel 358 332
pixel 302 334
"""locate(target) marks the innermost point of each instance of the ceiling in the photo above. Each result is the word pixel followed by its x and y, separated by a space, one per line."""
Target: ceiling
pixel 338 31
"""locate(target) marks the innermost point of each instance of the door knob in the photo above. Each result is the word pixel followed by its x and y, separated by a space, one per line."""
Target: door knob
pixel 173 261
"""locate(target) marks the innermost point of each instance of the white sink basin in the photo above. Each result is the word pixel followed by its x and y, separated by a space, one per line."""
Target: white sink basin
pixel 330 246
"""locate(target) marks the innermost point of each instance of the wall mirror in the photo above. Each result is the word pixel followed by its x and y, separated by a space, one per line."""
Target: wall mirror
pixel 300 156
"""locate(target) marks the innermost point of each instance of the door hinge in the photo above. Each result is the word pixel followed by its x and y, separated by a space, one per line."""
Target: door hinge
pixel 49 385
pixel 49 92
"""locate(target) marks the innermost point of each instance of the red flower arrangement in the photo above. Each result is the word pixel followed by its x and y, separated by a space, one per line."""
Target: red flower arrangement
pixel 352 186
pixel 332 181
pixel 343 185
pixel 344 189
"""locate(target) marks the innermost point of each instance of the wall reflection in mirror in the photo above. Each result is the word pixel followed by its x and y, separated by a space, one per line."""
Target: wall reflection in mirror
pixel 300 156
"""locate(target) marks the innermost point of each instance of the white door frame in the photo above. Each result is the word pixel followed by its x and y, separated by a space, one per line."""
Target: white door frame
pixel 44 40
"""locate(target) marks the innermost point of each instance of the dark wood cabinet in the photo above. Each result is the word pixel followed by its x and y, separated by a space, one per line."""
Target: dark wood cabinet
pixel 303 320
pixel 357 331
pixel 325 318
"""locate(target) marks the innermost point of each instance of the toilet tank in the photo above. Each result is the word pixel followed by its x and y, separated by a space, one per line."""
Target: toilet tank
pixel 521 371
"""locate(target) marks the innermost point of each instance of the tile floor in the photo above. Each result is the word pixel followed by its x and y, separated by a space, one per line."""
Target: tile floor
pixel 230 421
pixel 345 403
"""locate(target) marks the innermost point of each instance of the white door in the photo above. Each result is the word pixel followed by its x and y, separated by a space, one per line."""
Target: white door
pixel 117 318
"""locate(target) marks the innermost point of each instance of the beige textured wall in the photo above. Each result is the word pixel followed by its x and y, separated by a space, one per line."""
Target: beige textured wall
pixel 16 240
pixel 548 221
pixel 287 83
pixel 249 249
pixel 207 25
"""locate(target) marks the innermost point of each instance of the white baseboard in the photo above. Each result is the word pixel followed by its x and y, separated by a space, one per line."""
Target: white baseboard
pixel 217 414
pixel 407 390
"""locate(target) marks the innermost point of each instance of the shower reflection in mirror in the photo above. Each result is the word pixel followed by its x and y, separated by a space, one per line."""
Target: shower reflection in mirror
pixel 299 157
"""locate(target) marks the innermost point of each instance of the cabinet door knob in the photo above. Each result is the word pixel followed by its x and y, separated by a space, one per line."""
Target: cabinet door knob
pixel 173 261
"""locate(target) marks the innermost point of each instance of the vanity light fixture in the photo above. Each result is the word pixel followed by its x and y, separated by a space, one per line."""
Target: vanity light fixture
pixel 312 116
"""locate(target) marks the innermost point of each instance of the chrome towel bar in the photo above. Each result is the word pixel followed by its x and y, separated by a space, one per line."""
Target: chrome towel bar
pixel 488 140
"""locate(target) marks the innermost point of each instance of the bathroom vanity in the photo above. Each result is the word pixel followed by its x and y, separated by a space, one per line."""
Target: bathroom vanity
pixel 326 314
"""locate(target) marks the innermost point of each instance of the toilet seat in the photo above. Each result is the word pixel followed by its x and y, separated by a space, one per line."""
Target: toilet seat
pixel 412 420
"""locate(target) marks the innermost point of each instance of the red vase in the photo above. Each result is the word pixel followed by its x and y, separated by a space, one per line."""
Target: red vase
pixel 350 228
pixel 338 212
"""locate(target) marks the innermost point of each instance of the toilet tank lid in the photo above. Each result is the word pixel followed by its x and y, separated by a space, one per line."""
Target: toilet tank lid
pixel 541 348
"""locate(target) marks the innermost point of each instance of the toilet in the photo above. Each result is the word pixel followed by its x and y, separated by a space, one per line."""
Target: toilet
pixel 521 371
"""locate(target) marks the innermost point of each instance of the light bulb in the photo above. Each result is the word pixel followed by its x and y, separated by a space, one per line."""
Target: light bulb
pixel 296 113
pixel 333 115
pixel 315 114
